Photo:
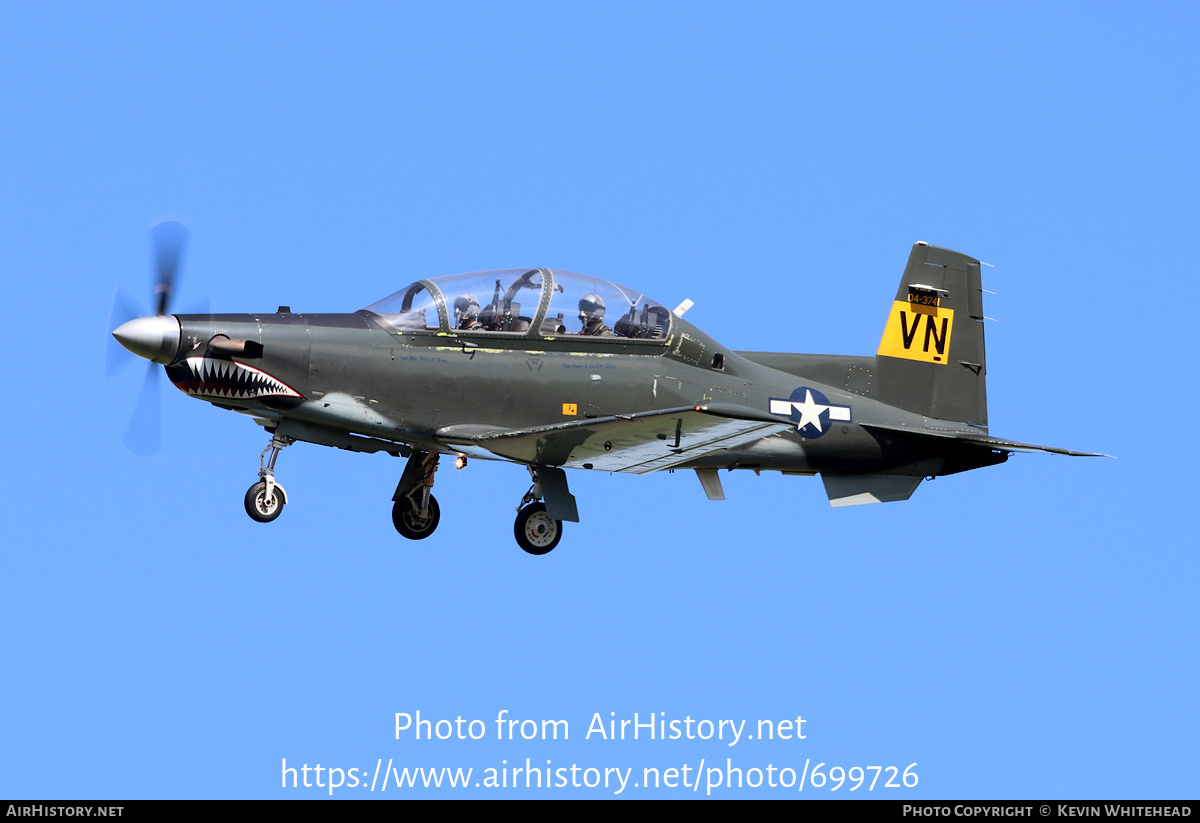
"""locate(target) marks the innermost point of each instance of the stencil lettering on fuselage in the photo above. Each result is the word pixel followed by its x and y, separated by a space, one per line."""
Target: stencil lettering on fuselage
pixel 918 332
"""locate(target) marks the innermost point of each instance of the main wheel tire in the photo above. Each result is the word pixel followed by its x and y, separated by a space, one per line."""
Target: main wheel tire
pixel 259 507
pixel 536 533
pixel 408 520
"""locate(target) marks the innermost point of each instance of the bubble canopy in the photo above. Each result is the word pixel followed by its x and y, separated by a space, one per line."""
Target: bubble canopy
pixel 526 303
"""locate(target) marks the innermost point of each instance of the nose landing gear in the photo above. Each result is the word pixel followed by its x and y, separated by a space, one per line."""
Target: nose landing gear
pixel 263 505
pixel 266 498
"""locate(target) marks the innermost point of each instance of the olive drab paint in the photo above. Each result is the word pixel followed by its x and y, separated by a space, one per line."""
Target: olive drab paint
pixel 516 378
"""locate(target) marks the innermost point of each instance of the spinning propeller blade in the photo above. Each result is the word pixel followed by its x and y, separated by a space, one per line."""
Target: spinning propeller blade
pixel 168 239
pixel 144 435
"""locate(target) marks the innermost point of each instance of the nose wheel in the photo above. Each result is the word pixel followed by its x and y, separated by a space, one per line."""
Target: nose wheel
pixel 536 533
pixel 262 505
pixel 266 498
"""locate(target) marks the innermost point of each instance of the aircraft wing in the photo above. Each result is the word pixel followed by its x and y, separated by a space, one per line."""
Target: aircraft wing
pixel 638 443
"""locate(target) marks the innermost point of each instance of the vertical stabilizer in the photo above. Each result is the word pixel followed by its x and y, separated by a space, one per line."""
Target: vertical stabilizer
pixel 931 357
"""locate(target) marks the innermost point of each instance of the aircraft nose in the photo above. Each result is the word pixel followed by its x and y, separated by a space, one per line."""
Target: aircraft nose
pixel 154 338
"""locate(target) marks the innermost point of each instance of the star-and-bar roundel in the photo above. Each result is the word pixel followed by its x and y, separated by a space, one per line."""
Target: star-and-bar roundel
pixel 811 411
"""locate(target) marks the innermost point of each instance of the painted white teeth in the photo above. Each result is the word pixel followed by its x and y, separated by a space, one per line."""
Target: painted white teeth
pixel 252 383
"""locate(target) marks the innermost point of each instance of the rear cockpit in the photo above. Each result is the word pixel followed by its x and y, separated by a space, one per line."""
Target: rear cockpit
pixel 524 303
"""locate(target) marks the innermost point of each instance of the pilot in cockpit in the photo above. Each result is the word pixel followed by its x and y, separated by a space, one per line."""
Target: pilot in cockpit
pixel 466 313
pixel 591 314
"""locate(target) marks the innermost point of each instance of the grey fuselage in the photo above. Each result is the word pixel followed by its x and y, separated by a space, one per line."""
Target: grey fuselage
pixel 353 374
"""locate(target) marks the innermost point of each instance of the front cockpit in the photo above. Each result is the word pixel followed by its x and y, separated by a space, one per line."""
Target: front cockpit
pixel 524 303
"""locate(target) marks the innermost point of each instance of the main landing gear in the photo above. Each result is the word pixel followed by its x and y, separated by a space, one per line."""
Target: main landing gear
pixel 266 498
pixel 536 532
pixel 415 513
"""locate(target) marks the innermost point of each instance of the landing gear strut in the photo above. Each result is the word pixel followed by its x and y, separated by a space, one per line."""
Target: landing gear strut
pixel 415 514
pixel 266 498
pixel 536 532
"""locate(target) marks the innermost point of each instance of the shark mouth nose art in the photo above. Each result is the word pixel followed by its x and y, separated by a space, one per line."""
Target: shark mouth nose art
pixel 228 379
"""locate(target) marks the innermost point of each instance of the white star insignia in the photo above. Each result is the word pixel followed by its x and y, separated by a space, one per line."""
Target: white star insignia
pixel 810 411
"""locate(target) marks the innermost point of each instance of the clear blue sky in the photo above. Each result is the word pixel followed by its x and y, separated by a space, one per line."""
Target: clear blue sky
pixel 1028 630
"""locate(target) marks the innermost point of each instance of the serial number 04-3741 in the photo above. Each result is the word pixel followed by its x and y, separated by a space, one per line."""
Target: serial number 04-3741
pixel 923 299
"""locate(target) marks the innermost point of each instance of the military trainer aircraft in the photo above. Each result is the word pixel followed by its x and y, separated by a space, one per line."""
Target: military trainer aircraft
pixel 522 365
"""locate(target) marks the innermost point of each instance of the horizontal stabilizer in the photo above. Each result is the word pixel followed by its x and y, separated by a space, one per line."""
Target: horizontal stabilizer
pixel 860 489
pixel 980 439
